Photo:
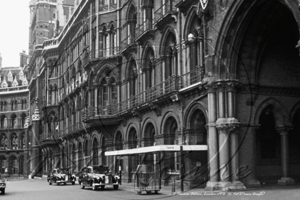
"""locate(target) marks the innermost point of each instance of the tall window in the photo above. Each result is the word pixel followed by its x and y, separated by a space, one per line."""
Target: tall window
pixel 170 54
pixel 14 141
pixel 95 152
pixel 132 78
pixel 14 121
pixel 104 93
pixel 131 20
pixel 4 142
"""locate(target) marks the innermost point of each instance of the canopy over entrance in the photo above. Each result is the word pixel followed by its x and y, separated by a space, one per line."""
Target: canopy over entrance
pixel 169 148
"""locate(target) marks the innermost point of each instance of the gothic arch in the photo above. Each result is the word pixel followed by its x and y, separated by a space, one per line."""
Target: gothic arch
pixel 129 127
pixel 280 112
pixel 148 45
pixel 166 117
pixel 131 60
pixel 167 33
pixel 145 123
pixel 229 52
pixel 191 13
pixel 131 7
pixel 191 109
pixel 293 111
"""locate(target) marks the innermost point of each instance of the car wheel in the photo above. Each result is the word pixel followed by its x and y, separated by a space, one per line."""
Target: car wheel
pixel 148 192
pixel 102 186
pixel 3 191
pixel 81 186
pixel 50 182
pixel 73 182
pixel 116 187
pixel 65 183
pixel 156 192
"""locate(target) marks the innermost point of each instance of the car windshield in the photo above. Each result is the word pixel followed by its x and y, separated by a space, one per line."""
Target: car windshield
pixel 100 170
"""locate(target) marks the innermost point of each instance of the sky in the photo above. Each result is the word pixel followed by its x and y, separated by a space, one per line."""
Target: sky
pixel 14 30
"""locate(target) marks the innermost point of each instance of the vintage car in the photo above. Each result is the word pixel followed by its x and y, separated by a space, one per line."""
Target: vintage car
pixel 2 186
pixel 63 175
pixel 97 176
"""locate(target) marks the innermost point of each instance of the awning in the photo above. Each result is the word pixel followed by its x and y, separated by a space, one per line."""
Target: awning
pixel 169 148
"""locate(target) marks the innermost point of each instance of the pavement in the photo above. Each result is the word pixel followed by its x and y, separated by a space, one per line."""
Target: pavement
pixel 127 191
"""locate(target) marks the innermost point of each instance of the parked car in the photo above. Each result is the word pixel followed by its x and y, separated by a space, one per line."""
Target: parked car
pixel 98 176
pixel 62 175
pixel 2 186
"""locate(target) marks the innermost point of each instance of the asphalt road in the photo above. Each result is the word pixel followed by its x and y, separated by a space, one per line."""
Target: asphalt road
pixel 37 189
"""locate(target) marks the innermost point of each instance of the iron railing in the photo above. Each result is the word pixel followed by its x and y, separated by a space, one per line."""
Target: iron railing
pixel 165 9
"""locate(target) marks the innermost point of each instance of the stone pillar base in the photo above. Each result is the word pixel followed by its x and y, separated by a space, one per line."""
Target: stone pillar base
pixel 252 183
pixel 224 185
pixel 286 181
pixel 237 185
pixel 211 186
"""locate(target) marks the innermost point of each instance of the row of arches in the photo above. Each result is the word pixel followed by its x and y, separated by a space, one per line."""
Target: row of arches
pixel 13 141
pixel 12 165
pixel 12 120
pixel 14 105
pixel 91 150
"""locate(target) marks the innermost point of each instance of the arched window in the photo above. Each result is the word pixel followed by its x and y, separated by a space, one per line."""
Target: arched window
pixel 23 119
pixel 3 121
pixel 147 14
pixel 95 152
pixel 23 141
pixel 12 105
pixel 113 40
pixel 132 78
pixel 104 94
pixel 197 133
pixel 268 139
pixel 170 56
pixel 14 141
pixel 3 164
pixel 21 164
pixel 4 142
pixel 86 148
pixel 149 68
pixel 131 21
pixel 50 94
pixel 14 121
pixel 12 165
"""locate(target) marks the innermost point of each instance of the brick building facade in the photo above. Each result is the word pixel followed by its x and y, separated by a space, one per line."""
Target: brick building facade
pixel 132 74
pixel 13 115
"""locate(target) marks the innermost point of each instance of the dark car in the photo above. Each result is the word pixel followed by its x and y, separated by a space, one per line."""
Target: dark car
pixel 2 186
pixel 62 175
pixel 97 176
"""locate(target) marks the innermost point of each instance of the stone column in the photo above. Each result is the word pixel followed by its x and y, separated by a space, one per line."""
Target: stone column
pixel 213 159
pixel 224 129
pixel 252 182
pixel 285 179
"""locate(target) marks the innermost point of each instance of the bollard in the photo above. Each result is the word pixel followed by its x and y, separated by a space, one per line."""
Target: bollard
pixel 173 187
